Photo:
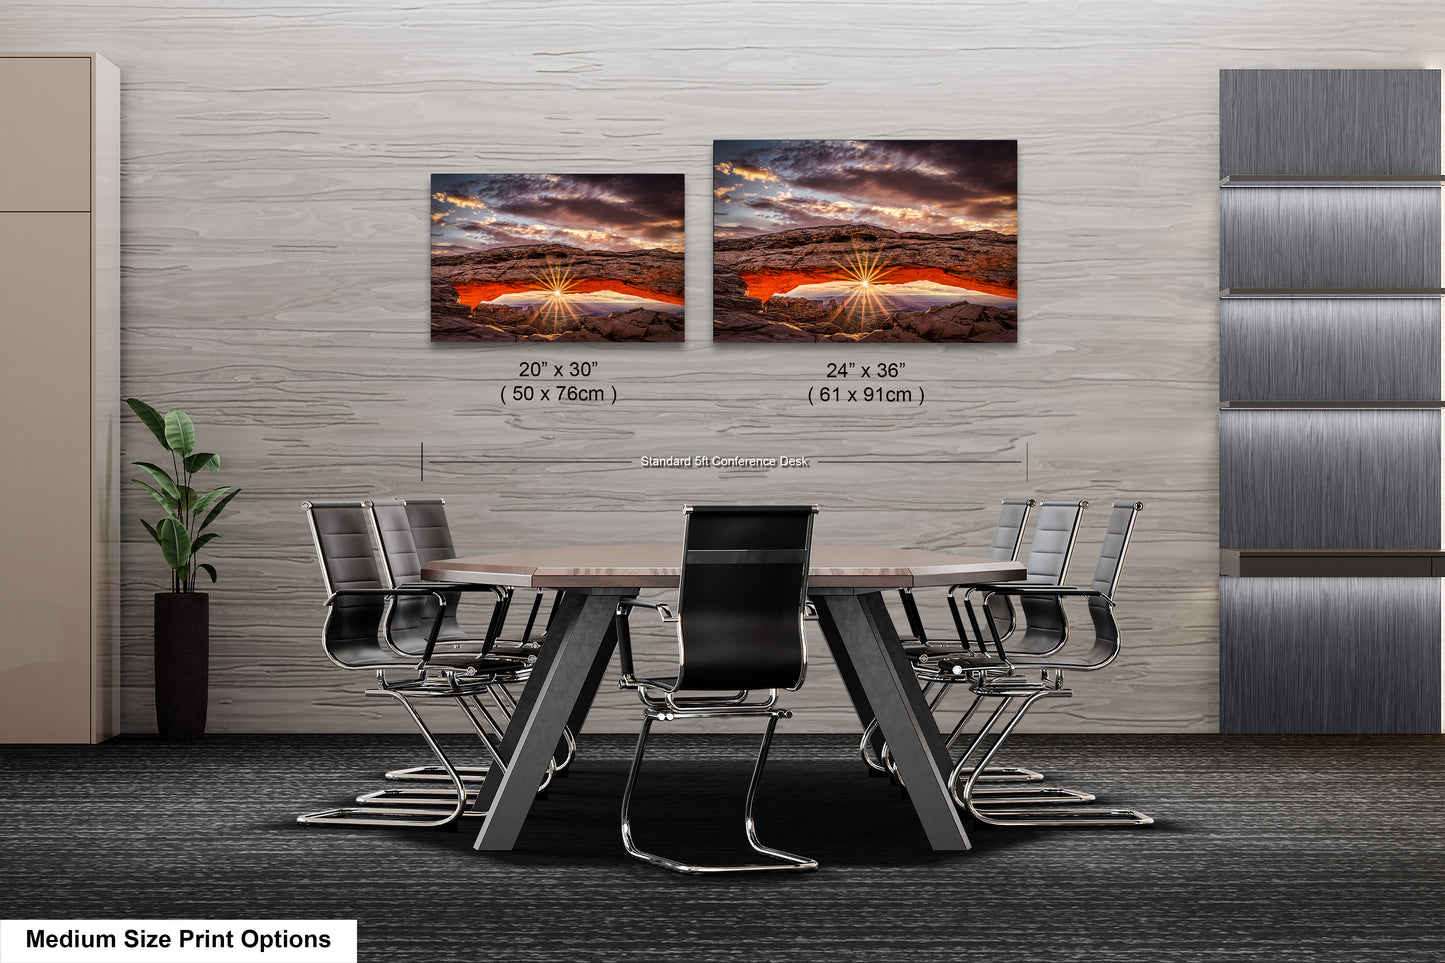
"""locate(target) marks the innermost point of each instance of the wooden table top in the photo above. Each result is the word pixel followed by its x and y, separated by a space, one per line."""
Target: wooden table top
pixel 657 566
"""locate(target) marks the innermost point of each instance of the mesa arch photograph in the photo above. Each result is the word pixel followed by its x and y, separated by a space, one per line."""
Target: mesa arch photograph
pixel 873 241
pixel 556 257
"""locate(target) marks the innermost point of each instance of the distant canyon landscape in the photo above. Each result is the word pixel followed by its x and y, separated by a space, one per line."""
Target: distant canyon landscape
pixel 553 292
pixel 862 283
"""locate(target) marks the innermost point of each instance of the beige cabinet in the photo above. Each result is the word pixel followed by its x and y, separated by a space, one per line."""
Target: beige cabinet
pixel 60 397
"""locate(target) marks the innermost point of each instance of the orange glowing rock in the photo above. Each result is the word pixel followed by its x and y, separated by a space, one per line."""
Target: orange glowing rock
pixel 472 295
pixel 766 283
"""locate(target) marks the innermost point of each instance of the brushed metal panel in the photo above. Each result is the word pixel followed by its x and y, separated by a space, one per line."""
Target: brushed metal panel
pixel 1366 237
pixel 1329 655
pixel 1313 478
pixel 1314 349
pixel 1329 122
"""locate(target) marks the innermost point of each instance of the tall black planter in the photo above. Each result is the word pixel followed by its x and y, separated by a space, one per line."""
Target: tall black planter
pixel 183 645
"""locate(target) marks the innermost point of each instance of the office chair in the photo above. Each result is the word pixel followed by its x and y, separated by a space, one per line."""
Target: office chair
pixel 412 532
pixel 352 639
pixel 1008 535
pixel 741 603
pixel 993 676
pixel 1050 551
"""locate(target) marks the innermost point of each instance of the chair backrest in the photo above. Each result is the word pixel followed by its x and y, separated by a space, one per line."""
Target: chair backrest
pixel 399 523
pixel 394 535
pixel 1116 544
pixel 429 529
pixel 741 596
pixel 1046 624
pixel 342 537
pixel 1106 579
pixel 1053 543
pixel 1008 535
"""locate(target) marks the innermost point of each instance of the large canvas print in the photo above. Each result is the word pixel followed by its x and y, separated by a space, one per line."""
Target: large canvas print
pixel 556 257
pixel 865 240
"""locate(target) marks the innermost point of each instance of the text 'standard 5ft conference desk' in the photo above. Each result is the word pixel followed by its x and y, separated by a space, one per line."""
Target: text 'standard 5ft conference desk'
pixel 846 583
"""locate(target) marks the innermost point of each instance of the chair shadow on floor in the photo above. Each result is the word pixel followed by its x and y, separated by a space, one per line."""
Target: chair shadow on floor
pixel 830 809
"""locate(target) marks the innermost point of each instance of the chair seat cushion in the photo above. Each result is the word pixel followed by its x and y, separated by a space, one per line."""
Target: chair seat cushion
pixel 918 650
pixel 961 664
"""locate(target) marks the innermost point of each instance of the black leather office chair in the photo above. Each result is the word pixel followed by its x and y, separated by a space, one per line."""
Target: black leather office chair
pixel 1000 680
pixel 412 532
pixel 352 639
pixel 1050 551
pixel 1008 536
pixel 741 605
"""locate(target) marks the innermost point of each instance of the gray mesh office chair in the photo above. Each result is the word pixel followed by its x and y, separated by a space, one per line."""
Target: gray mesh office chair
pixel 352 639
pixel 999 681
pixel 741 604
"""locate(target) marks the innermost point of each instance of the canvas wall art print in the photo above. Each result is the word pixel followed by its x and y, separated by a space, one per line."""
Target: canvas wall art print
pixel 556 257
pixel 865 241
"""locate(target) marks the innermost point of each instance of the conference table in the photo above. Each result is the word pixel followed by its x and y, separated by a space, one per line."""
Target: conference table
pixel 845 583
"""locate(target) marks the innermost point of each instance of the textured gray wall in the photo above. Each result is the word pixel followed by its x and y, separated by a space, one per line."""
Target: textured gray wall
pixel 1330 655
pixel 1313 349
pixel 275 221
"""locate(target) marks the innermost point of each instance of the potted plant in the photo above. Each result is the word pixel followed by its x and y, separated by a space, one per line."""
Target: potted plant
pixel 182 615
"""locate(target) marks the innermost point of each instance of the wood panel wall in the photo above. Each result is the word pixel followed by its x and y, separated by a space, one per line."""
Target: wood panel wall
pixel 276 164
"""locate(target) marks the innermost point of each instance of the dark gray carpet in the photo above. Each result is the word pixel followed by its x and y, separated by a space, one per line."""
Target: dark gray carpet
pixel 1266 848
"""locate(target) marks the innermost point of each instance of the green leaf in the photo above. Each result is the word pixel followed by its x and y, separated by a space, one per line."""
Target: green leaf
pixel 167 502
pixel 207 498
pixel 161 476
pixel 152 529
pixel 202 540
pixel 186 499
pixel 217 509
pixel 210 570
pixel 180 433
pixel 152 418
pixel 203 461
pixel 175 543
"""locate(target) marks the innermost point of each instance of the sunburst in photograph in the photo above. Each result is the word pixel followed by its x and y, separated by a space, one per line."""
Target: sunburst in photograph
pixel 876 241
pixel 557 257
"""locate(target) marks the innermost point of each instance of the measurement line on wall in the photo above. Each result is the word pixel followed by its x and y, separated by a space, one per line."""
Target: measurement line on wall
pixel 918 461
pixel 534 461
pixel 421 462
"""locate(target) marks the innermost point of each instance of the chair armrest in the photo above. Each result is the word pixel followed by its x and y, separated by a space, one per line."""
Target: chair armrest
pixel 1054 591
pixel 663 611
pixel 496 590
pixel 410 592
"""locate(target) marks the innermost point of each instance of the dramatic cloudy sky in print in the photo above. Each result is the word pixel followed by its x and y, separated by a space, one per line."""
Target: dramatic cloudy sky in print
pixel 930 186
pixel 608 212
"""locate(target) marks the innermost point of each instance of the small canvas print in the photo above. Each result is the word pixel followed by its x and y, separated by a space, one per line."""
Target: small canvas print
pixel 556 257
pixel 865 240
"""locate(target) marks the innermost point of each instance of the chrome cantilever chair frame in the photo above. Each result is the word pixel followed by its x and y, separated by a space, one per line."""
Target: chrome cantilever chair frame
pixel 1008 536
pixel 394 526
pixel 713 668
pixel 354 641
pixel 1002 684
